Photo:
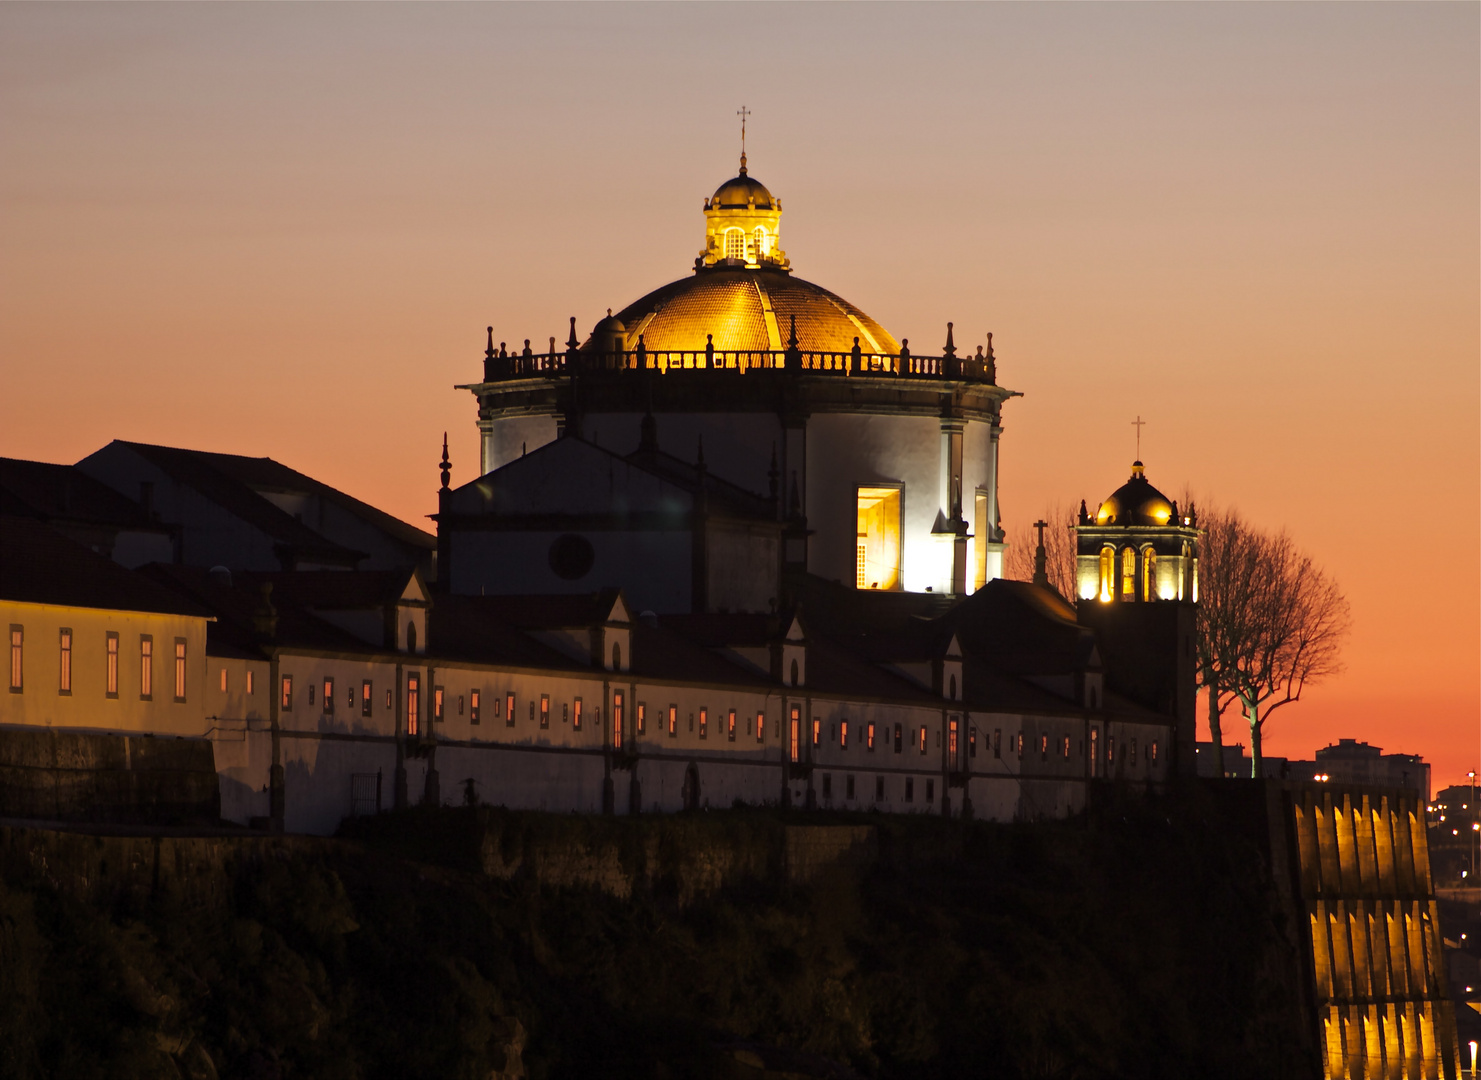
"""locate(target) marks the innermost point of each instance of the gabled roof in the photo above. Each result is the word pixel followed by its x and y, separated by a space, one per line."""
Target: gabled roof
pixel 471 628
pixel 346 590
pixel 53 492
pixel 833 668
pixel 556 610
pixel 660 653
pixel 721 495
pixel 38 565
pixel 721 630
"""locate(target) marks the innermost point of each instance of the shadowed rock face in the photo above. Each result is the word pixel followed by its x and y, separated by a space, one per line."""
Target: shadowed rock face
pixel 1145 940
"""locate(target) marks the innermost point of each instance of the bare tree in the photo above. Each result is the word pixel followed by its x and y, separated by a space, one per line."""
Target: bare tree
pixel 1059 551
pixel 1270 622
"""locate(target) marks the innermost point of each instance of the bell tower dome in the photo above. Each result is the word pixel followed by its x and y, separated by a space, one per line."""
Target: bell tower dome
pixel 1137 546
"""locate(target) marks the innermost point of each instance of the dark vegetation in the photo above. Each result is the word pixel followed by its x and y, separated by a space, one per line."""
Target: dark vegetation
pixel 1143 940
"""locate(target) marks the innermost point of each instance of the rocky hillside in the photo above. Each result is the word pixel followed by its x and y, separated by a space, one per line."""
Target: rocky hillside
pixel 1142 941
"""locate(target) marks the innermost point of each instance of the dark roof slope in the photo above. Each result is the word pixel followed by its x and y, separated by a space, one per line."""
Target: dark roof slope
pixel 549 611
pixel 49 491
pixel 1021 629
pixel 472 628
pixel 38 565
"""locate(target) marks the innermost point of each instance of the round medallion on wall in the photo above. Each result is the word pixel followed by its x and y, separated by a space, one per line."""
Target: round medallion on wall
pixel 571 556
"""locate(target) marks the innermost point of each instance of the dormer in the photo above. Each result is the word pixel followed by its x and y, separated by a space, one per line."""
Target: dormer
pixel 611 639
pixel 789 654
pixel 408 616
pixel 947 676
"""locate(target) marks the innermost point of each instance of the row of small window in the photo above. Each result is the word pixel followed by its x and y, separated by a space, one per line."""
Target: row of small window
pixel 879 788
pixel 111 659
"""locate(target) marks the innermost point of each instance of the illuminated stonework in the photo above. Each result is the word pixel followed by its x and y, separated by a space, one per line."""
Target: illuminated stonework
pixel 1137 547
pixel 743 224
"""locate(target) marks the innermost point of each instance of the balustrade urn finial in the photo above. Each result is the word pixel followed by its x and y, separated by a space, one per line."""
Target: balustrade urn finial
pixel 447 466
pixel 571 341
pixel 950 349
pixel 489 352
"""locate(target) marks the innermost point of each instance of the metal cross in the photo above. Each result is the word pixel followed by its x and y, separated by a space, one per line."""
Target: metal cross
pixel 743 113
pixel 1138 423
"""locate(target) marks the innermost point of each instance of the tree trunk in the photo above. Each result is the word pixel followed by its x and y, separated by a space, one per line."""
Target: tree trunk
pixel 1257 766
pixel 1215 732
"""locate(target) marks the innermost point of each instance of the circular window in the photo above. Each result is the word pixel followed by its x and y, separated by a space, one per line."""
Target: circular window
pixel 571 557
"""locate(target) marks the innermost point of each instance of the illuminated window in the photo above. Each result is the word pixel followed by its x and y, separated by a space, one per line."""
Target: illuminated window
pixel 673 721
pixel 1107 572
pixel 1110 749
pixel 1043 747
pixel 329 696
pixel 223 680
pixel 146 667
pixel 848 787
pixel 642 717
pixel 762 244
pixel 1020 746
pixel 388 697
pixel 981 535
pixel 179 669
pixel 64 681
pixel 879 538
pixel 1128 574
pixel 923 738
pixel 704 723
pixel 1094 750
pixel 794 742
pixel 508 710
pixel 1154 751
pixel 17 658
pixel 617 720
pixel 730 726
pixel 760 727
pixel 576 715
pixel 252 682
pixel 413 704
pixel 1149 572
pixel 951 740
pixel 899 739
pixel 544 710
pixel 439 698
pixel 112 690
pixel 843 734
pixel 735 244
pixel 869 736
pixel 287 698
pixel 1066 753
pixel 817 732
pixel 474 699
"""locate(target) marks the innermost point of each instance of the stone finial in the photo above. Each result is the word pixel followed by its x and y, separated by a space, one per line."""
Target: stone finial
pixel 792 334
pixel 950 349
pixel 489 352
pixel 571 341
pixel 1084 513
pixel 447 466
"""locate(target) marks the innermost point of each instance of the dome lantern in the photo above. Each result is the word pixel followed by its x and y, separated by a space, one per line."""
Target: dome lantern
pixel 743 226
pixel 1136 546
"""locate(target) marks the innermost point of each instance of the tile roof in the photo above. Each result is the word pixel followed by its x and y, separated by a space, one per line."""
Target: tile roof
pixel 63 492
pixel 39 565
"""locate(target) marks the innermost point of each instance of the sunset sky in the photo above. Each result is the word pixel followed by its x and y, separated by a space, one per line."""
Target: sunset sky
pixel 281 230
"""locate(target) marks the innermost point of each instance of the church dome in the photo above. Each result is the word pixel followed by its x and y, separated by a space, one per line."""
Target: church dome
pixel 737 194
pixel 1135 502
pixel 747 310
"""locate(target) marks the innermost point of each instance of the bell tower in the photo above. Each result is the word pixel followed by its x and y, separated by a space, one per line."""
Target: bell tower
pixel 1138 547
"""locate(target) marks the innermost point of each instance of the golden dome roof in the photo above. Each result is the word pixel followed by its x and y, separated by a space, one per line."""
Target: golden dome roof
pixel 737 194
pixel 750 309
pixel 1135 502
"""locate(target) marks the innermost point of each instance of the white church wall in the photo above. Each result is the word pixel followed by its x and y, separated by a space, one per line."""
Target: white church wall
pixel 848 450
pixel 742 561
pixel 737 445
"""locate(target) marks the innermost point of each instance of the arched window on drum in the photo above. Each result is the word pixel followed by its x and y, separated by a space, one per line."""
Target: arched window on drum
pixel 1107 572
pixel 735 244
pixel 1128 573
pixel 1149 574
pixel 762 244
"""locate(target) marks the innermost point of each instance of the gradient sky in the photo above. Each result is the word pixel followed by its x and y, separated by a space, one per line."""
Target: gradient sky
pixel 281 230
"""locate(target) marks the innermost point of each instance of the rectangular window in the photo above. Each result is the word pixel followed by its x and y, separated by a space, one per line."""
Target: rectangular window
pixel 329 697
pixel 794 742
pixel 1132 755
pixel 146 667
pixel 544 710
pixel 730 726
pixel 951 740
pixel 223 680
pixel 439 703
pixel 365 698
pixel 869 737
pixel 17 657
pixel 350 696
pixel 413 704
pixel 388 699
pixel 576 715
pixel 179 669
pixel 1043 747
pixel 473 699
pixel 509 710
pixel 673 721
pixel 112 690
pixel 848 787
pixel 899 739
pixel 1110 749
pixel 843 734
pixel 642 717
pixel 878 549
pixel 930 791
pixel 760 727
pixel 879 789
pixel 827 786
pixel 972 742
pixel 1067 748
pixel 64 672
pixel 923 738
pixel 251 681
pixel 1020 746
pixel 460 704
pixel 910 789
pixel 617 720
pixel 311 693
pixel 704 722
pixel 817 731
pixel 1154 751
pixel 287 693
pixel 997 742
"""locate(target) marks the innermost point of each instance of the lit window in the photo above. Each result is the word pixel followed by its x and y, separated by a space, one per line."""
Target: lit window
pixel 843 734
pixel 113 665
pixel 1066 754
pixel 544 710
pixel 951 739
pixel 179 669
pixel 794 742
pixel 760 727
pixel 252 682
pixel 1043 747
pixel 1149 572
pixel 817 732
pixel 223 680
pixel 642 718
pixel 869 735
pixel 576 715
pixel 1107 572
pixel 704 723
pixel 735 244
pixel 1110 749
pixel 730 726
pixel 762 246
pixel 287 700
pixel 388 698
pixel 923 738
pixel 509 710
pixel 879 538
pixel 617 720
pixel 64 682
pixel 146 667
pixel 17 658
pixel 413 704
pixel 474 697
pixel 365 698
pixel 1154 751
pixel 1128 574
pixel 439 699
pixel 329 696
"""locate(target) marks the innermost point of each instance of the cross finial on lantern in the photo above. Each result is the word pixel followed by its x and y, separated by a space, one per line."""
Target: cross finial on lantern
pixel 1139 423
pixel 743 112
